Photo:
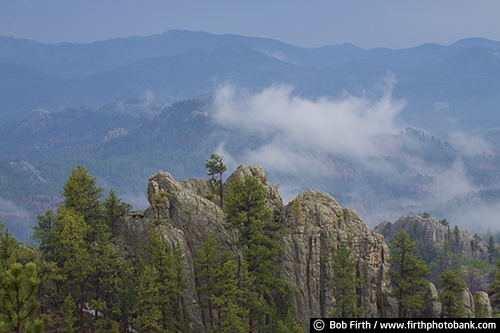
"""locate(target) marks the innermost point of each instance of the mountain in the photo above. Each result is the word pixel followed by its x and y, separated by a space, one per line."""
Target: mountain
pixel 183 64
pixel 125 142
pixel 128 107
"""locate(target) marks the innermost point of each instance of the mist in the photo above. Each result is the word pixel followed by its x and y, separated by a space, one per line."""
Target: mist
pixel 352 147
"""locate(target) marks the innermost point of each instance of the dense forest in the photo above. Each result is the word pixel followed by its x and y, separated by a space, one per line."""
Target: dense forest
pixel 77 280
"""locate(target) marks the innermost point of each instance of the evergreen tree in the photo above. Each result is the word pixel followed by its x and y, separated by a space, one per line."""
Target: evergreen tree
pixel 228 297
pixel 18 303
pixel 344 283
pixel 77 264
pixel 107 284
pixel 494 289
pixel 407 273
pixel 492 250
pixel 114 208
pixel 168 277
pixel 160 200
pixel 205 265
pixel 147 309
pixel 246 209
pixel 451 285
pixel 81 194
pixel 456 240
pixel 216 166
pixel 12 251
pixel 479 307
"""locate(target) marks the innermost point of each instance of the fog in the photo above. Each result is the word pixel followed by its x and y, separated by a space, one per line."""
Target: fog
pixel 323 143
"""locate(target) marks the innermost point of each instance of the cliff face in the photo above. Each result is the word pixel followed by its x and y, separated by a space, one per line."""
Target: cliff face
pixel 313 224
pixel 431 233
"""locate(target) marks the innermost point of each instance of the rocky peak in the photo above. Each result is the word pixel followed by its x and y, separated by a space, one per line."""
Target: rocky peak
pixel 433 234
pixel 273 196
pixel 313 224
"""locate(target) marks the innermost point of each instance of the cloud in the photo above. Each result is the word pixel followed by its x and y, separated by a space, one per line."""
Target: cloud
pixel 451 182
pixel 298 137
pixel 469 144
pixel 294 124
pixel 352 146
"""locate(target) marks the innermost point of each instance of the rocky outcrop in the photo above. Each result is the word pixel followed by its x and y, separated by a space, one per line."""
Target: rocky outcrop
pixel 482 306
pixel 433 234
pixel 313 224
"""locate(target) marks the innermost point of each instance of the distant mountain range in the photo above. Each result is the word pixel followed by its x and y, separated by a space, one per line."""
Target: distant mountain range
pixel 440 83
pixel 128 107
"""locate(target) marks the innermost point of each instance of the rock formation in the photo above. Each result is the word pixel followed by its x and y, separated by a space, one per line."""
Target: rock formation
pixel 433 233
pixel 313 225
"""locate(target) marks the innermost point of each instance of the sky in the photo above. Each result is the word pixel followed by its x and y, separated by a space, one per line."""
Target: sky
pixel 365 23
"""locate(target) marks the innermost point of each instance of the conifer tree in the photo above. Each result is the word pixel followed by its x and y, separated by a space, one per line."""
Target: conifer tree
pixel 205 265
pixel 407 274
pixel 107 285
pixel 12 251
pixel 228 297
pixel 147 309
pixel 114 208
pixel 492 250
pixel 494 289
pixel 216 166
pixel 159 200
pixel 75 262
pixel 169 278
pixel 246 209
pixel 18 303
pixel 451 285
pixel 344 283
pixel 81 194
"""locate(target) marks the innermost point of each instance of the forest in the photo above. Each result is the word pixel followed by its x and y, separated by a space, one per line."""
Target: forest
pixel 76 279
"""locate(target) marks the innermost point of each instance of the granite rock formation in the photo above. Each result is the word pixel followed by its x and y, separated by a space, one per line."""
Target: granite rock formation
pixel 313 225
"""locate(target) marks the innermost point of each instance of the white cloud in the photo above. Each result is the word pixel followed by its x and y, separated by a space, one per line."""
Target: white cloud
pixel 469 144
pixel 345 126
pixel 341 145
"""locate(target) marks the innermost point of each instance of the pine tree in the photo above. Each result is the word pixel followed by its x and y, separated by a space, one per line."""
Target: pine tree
pixel 494 289
pixel 228 297
pixel 107 284
pixel 114 208
pixel 344 283
pixel 77 264
pixel 75 261
pixel 205 265
pixel 492 250
pixel 168 268
pixel 147 310
pixel 81 194
pixel 216 166
pixel 12 251
pixel 451 285
pixel 246 210
pixel 407 274
pixel 159 200
pixel 18 303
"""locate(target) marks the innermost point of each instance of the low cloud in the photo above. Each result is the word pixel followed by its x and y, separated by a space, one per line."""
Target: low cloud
pixel 295 125
pixel 469 144
pixel 349 145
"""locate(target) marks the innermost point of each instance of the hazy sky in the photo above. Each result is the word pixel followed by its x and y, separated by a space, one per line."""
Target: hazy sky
pixel 365 23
